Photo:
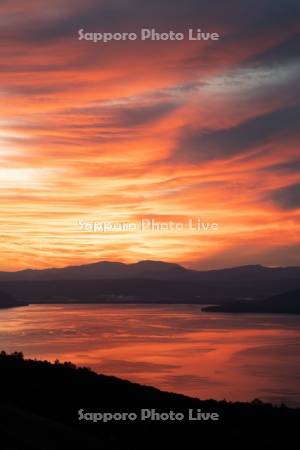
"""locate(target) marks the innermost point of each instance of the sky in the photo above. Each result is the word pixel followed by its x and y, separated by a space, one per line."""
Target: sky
pixel 163 131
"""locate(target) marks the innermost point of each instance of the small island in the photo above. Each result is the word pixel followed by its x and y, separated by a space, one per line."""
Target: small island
pixel 286 303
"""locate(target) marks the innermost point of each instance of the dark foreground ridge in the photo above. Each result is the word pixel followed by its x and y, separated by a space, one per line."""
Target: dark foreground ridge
pixel 40 402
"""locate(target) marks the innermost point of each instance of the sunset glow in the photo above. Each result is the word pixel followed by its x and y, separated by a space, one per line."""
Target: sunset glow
pixel 128 131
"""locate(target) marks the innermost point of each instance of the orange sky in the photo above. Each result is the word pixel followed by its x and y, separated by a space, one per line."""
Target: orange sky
pixel 127 131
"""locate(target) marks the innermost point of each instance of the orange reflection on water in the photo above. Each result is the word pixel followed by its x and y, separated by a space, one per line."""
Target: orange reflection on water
pixel 176 348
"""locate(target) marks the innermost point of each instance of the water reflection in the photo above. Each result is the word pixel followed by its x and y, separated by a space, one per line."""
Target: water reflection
pixel 177 348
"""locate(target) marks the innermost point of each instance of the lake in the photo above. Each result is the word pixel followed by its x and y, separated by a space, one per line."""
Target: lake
pixel 176 348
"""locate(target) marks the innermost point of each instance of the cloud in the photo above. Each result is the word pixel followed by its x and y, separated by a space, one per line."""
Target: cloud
pixel 291 166
pixel 200 146
pixel 123 122
pixel 61 19
pixel 140 115
pixel 287 198
pixel 285 51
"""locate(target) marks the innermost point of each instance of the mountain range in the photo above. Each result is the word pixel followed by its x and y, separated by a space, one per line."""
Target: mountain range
pixel 148 282
pixel 155 270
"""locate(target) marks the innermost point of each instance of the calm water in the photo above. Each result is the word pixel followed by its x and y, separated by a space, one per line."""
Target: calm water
pixel 176 348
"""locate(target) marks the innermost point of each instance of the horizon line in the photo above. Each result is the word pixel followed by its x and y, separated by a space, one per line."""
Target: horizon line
pixel 146 261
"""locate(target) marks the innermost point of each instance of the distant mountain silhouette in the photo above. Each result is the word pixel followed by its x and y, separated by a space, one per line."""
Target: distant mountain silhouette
pixel 103 270
pixel 40 401
pixel 286 303
pixel 155 270
pixel 148 281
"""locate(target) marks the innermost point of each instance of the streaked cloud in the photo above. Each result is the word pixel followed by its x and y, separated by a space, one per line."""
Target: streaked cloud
pixel 169 130
pixel 287 197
